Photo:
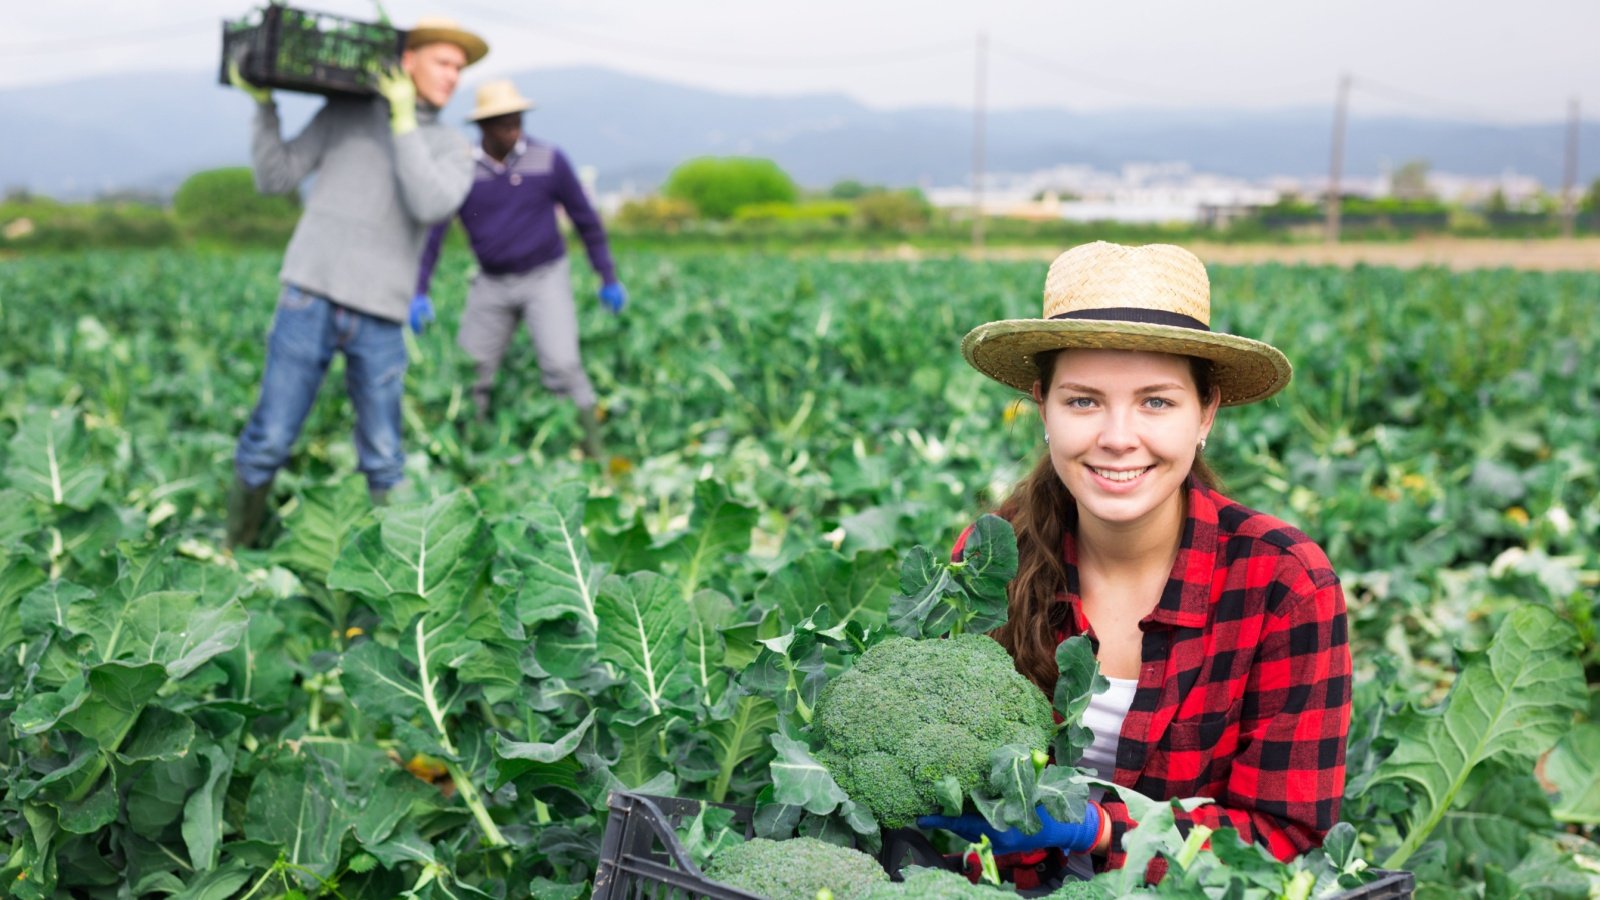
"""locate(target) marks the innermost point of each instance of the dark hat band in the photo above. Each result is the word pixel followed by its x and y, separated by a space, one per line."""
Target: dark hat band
pixel 1136 314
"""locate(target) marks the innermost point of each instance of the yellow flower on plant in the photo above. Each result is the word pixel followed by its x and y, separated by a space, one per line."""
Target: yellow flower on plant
pixel 1518 515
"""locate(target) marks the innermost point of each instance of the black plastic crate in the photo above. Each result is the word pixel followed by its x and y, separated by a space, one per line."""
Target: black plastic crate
pixel 311 52
pixel 641 856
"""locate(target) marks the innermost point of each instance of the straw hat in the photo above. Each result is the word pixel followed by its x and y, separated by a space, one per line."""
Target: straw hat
pixel 1110 297
pixel 498 98
pixel 437 29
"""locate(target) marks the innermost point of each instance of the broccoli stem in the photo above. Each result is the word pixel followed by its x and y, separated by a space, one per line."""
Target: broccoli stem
pixel 1192 847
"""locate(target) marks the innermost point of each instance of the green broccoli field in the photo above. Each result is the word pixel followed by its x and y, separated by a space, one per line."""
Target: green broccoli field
pixel 434 699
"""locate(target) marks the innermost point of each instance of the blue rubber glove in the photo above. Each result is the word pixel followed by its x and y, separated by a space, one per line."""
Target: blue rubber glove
pixel 1073 837
pixel 421 312
pixel 613 297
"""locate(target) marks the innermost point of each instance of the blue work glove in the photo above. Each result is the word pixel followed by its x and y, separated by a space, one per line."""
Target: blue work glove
pixel 613 297
pixel 1073 837
pixel 421 312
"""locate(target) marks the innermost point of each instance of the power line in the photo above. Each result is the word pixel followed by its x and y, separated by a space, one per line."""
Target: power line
pixel 1414 98
pixel 1115 85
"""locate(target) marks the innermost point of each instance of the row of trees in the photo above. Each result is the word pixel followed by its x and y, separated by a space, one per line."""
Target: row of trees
pixel 747 198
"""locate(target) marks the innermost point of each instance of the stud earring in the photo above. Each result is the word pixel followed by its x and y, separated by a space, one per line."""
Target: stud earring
pixel 1047 437
pixel 1202 444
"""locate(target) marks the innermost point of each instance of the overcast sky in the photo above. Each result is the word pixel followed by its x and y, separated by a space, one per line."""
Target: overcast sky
pixel 1478 59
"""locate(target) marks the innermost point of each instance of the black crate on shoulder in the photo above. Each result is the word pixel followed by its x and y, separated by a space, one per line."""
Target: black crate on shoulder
pixel 294 49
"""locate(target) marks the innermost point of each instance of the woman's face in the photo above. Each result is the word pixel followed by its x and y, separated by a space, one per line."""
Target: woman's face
pixel 1124 427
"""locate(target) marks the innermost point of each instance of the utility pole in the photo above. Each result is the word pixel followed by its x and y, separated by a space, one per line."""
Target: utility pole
pixel 980 99
pixel 1333 203
pixel 1569 193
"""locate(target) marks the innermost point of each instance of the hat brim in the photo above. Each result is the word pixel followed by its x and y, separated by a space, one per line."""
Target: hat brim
pixel 1244 370
pixel 471 44
pixel 499 109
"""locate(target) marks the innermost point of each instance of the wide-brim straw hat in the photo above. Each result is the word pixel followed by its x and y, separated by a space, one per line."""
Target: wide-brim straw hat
pixel 1104 296
pixel 498 98
pixel 438 29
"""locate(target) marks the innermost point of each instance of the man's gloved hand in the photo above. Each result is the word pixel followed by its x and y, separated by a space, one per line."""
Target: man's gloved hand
pixel 1073 837
pixel 421 312
pixel 261 95
pixel 613 296
pixel 395 86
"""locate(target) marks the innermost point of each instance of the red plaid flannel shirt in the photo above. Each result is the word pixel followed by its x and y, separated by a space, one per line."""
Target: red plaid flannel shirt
pixel 1244 691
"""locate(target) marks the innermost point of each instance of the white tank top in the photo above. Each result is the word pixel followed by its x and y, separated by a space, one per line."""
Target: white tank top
pixel 1104 717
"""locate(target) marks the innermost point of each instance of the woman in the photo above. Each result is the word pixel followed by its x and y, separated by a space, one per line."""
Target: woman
pixel 1221 629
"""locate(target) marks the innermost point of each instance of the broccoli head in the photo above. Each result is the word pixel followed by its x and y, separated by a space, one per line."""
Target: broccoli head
pixel 911 712
pixel 935 884
pixel 795 869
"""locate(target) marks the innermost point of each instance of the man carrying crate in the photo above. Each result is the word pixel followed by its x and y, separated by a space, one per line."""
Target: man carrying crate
pixel 510 219
pixel 386 170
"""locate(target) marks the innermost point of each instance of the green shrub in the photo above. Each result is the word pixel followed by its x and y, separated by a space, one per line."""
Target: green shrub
pixel 717 186
pixel 223 205
pixel 836 211
pixel 655 213
pixel 34 224
pixel 906 210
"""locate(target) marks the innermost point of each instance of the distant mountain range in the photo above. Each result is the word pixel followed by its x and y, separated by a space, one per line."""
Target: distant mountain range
pixel 147 131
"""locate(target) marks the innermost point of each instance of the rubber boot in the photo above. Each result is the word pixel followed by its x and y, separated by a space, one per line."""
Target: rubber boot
pixel 247 510
pixel 591 434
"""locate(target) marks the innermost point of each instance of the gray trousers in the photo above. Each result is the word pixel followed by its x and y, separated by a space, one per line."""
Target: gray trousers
pixel 542 300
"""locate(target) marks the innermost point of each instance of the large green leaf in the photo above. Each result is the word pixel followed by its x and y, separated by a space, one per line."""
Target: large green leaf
pixel 321 521
pixel 643 624
pixel 51 460
pixel 378 683
pixel 557 577
pixel 799 780
pixel 117 694
pixel 177 629
pixel 294 805
pixel 1511 702
pixel 20 519
pixel 857 588
pixel 19 575
pixel 513 759
pixel 704 647
pixel 434 551
pixel 45 607
pixel 739 738
pixel 718 526
pixel 1574 768
pixel 203 812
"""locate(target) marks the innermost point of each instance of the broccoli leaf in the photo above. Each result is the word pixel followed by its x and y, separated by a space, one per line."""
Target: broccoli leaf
pixel 1011 797
pixel 1079 681
pixel 1511 702
pixel 708 833
pixel 939 598
pixel 799 780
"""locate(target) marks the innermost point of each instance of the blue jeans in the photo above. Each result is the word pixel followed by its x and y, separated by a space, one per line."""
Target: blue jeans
pixel 306 331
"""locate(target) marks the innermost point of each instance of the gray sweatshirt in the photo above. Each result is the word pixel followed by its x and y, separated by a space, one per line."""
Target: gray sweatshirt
pixel 360 236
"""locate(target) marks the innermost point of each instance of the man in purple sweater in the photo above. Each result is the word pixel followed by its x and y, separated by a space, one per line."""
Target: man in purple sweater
pixel 510 218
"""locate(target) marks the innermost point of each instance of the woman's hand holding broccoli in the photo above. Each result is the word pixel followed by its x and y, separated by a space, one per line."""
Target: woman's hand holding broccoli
pixel 1073 837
